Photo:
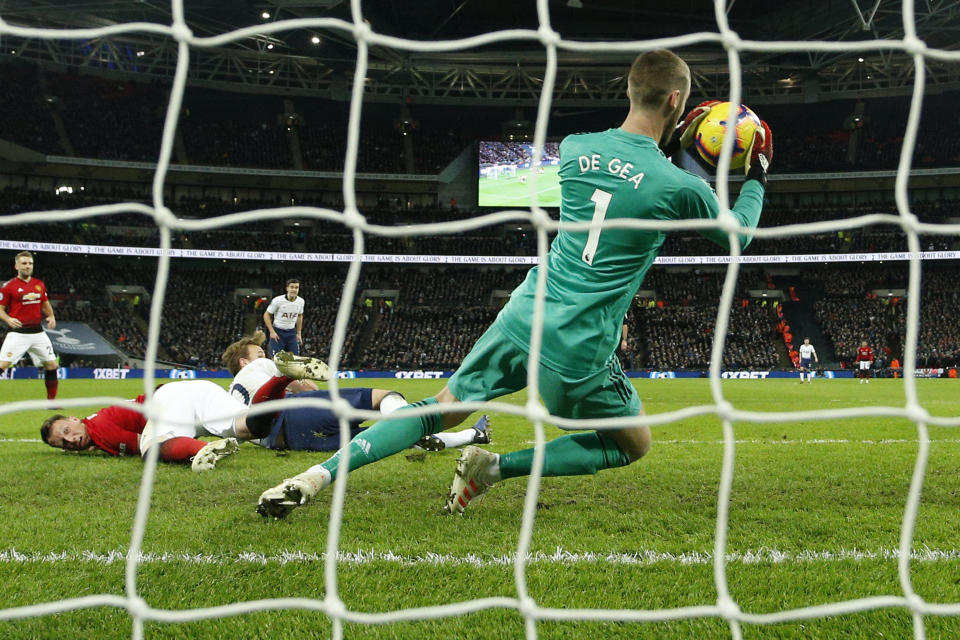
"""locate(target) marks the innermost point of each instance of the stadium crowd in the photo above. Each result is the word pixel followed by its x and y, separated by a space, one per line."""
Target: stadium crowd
pixel 850 310
pixel 426 336
pixel 677 324
pixel 414 316
pixel 27 121
pixel 321 236
pixel 91 116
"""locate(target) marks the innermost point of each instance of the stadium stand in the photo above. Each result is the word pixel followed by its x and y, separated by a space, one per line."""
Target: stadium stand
pixel 677 325
pixel 851 311
pixel 28 120
pixel 122 120
pixel 671 331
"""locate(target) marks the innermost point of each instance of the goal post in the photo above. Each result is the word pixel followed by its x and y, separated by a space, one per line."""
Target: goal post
pixel 726 607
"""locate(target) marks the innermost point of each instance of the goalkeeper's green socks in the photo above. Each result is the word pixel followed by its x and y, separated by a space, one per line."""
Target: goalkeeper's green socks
pixel 387 437
pixel 575 454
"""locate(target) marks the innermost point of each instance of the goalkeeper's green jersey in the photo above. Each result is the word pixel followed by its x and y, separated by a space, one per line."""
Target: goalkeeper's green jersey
pixel 593 276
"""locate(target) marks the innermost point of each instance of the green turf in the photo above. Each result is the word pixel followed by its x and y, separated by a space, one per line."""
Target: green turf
pixel 827 487
pixel 511 192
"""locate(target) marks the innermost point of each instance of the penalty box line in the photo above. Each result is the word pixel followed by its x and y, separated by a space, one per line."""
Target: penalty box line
pixel 560 557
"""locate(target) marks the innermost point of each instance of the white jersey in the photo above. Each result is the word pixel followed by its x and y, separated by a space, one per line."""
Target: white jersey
pixel 253 376
pixel 191 409
pixel 285 313
pixel 807 351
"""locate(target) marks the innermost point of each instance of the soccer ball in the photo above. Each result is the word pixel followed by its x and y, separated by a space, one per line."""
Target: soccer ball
pixel 711 130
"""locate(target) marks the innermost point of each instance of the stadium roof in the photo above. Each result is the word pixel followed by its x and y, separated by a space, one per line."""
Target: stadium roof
pixel 320 58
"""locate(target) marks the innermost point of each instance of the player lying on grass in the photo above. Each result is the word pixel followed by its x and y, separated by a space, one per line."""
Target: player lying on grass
pixel 317 429
pixel 196 408
pixel 592 277
pixel 188 410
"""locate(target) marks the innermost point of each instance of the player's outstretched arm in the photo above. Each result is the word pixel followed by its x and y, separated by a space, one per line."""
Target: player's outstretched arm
pixel 760 154
pixel 699 200
pixel 749 203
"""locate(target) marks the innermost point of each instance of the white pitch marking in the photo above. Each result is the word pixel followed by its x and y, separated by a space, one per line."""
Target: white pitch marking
pixel 801 442
pixel 745 441
pixel 559 557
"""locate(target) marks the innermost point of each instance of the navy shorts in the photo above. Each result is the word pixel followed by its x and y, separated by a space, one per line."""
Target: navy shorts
pixel 287 342
pixel 312 429
pixel 805 363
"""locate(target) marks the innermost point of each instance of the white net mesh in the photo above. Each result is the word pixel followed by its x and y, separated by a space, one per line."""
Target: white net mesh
pixel 332 605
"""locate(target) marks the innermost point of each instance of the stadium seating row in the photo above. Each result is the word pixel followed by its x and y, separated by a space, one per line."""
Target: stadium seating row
pixel 122 120
pixel 428 317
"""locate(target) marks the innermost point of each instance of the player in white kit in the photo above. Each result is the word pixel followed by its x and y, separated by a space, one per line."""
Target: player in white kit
pixel 807 355
pixel 284 320
pixel 317 429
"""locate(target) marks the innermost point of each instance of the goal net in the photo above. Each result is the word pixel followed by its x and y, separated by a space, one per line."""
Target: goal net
pixel 332 605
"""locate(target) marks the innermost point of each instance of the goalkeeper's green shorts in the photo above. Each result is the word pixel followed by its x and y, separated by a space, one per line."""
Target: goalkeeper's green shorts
pixel 496 367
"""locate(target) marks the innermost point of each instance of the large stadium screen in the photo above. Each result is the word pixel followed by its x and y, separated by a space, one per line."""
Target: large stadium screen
pixel 504 174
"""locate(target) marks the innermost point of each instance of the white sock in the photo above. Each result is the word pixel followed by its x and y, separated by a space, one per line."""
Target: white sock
pixel 492 476
pixel 457 438
pixel 319 469
pixel 391 402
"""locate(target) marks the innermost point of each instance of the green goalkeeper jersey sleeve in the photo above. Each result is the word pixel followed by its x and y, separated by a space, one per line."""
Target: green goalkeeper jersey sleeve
pixel 593 275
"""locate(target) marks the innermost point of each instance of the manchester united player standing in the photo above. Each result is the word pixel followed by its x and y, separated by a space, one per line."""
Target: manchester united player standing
pixel 865 358
pixel 23 305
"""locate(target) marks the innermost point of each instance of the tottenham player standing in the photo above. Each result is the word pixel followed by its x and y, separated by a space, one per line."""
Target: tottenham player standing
pixel 284 320
pixel 865 358
pixel 807 354
pixel 23 305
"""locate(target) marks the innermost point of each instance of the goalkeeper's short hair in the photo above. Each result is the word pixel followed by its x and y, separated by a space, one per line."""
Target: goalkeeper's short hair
pixel 653 75
pixel 232 354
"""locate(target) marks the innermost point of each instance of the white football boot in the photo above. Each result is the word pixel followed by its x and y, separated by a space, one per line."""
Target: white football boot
pixel 294 492
pixel 469 481
pixel 301 367
pixel 207 458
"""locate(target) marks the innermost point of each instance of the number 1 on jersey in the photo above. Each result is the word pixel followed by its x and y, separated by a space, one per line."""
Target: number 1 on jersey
pixel 601 200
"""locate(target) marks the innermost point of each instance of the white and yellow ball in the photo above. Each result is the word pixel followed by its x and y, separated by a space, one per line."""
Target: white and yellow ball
pixel 712 129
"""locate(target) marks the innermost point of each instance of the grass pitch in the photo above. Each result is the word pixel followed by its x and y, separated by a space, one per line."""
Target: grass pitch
pixel 815 517
pixel 511 192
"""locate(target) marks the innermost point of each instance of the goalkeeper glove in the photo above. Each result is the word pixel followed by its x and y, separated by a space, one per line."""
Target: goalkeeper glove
pixel 760 154
pixel 682 136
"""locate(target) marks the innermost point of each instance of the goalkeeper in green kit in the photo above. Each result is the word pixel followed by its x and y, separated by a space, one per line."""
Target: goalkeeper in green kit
pixel 591 280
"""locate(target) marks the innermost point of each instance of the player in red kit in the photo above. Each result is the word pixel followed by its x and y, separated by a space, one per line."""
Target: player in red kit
pixel 188 410
pixel 23 305
pixel 865 358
